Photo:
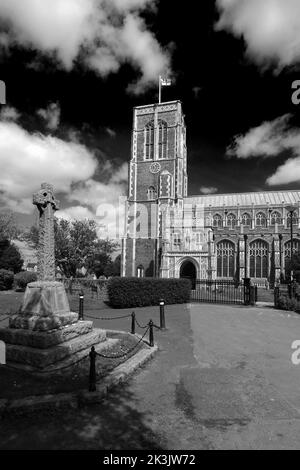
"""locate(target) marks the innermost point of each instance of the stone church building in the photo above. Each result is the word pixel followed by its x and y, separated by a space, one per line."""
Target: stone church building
pixel 169 233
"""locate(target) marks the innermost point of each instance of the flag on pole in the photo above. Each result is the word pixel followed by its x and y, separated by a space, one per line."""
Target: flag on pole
pixel 163 82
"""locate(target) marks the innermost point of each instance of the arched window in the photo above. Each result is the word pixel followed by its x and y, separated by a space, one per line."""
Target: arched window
pixel 149 141
pixel 162 139
pixel 259 254
pixel 140 271
pixel 246 219
pixel 176 240
pixel 217 220
pixel 276 218
pixel 151 193
pixel 231 220
pixel 287 253
pixel 295 219
pixel 260 219
pixel 225 259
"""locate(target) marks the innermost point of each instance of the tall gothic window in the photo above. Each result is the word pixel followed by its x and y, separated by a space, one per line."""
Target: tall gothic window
pixel 162 139
pixel 276 218
pixel 295 219
pixel 259 253
pixel 231 220
pixel 149 141
pixel 217 220
pixel 260 219
pixel 287 252
pixel 151 193
pixel 225 259
pixel 246 219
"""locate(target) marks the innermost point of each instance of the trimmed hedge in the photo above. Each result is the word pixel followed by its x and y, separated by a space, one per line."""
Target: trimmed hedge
pixel 128 292
pixel 23 278
pixel 6 279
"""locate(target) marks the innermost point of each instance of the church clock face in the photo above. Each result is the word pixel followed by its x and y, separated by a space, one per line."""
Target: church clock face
pixel 155 167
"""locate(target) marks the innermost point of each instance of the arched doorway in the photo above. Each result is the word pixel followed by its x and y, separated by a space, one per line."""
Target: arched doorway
pixel 188 271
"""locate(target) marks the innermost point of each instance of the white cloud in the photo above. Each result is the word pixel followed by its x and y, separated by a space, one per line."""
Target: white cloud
pixel 270 139
pixel 270 29
pixel 92 193
pixel 28 159
pixel 103 34
pixel 208 189
pixel 106 201
pixel 51 115
pixel 75 213
pixel 289 172
pixel 8 113
pixel 121 174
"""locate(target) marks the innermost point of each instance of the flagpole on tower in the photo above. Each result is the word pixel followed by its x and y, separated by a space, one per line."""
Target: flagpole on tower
pixel 159 89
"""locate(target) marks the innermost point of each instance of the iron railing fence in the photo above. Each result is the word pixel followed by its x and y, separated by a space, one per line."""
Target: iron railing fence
pixel 223 291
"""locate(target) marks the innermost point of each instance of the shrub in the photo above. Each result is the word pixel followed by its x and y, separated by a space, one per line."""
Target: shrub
pixel 10 259
pixel 126 292
pixel 285 303
pixel 6 279
pixel 23 278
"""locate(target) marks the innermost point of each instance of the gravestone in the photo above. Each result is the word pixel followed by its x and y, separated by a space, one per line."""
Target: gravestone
pixel 45 333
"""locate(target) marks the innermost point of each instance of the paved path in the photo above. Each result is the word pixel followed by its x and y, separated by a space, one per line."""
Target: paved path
pixel 223 379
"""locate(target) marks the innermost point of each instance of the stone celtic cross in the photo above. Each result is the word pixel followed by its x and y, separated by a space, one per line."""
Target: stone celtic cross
pixel 47 205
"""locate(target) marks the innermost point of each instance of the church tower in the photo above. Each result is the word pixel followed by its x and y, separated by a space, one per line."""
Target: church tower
pixel 157 178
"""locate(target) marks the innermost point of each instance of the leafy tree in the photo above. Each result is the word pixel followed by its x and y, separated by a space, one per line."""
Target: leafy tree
pixel 74 244
pixel 8 226
pixel 10 257
pixel 32 236
pixel 77 245
pixel 296 267
pixel 101 262
pixel 113 268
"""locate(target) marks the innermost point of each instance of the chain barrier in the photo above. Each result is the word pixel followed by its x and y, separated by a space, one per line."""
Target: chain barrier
pixel 107 318
pixel 2 313
pixel 140 326
pixel 119 356
pixel 3 319
pixel 157 327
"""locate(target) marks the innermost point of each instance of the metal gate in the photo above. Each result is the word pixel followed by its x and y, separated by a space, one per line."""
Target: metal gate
pixel 224 291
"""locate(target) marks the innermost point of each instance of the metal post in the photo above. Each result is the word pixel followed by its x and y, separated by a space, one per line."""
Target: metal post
pixel 81 299
pixel 291 210
pixel 246 290
pixel 162 314
pixel 276 296
pixel 133 323
pixel 92 381
pixel 151 336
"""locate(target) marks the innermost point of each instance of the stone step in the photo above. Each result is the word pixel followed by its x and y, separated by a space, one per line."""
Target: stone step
pixel 65 365
pixel 41 358
pixel 43 340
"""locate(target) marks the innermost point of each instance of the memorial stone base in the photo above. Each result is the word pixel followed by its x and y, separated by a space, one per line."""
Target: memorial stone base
pixel 45 334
